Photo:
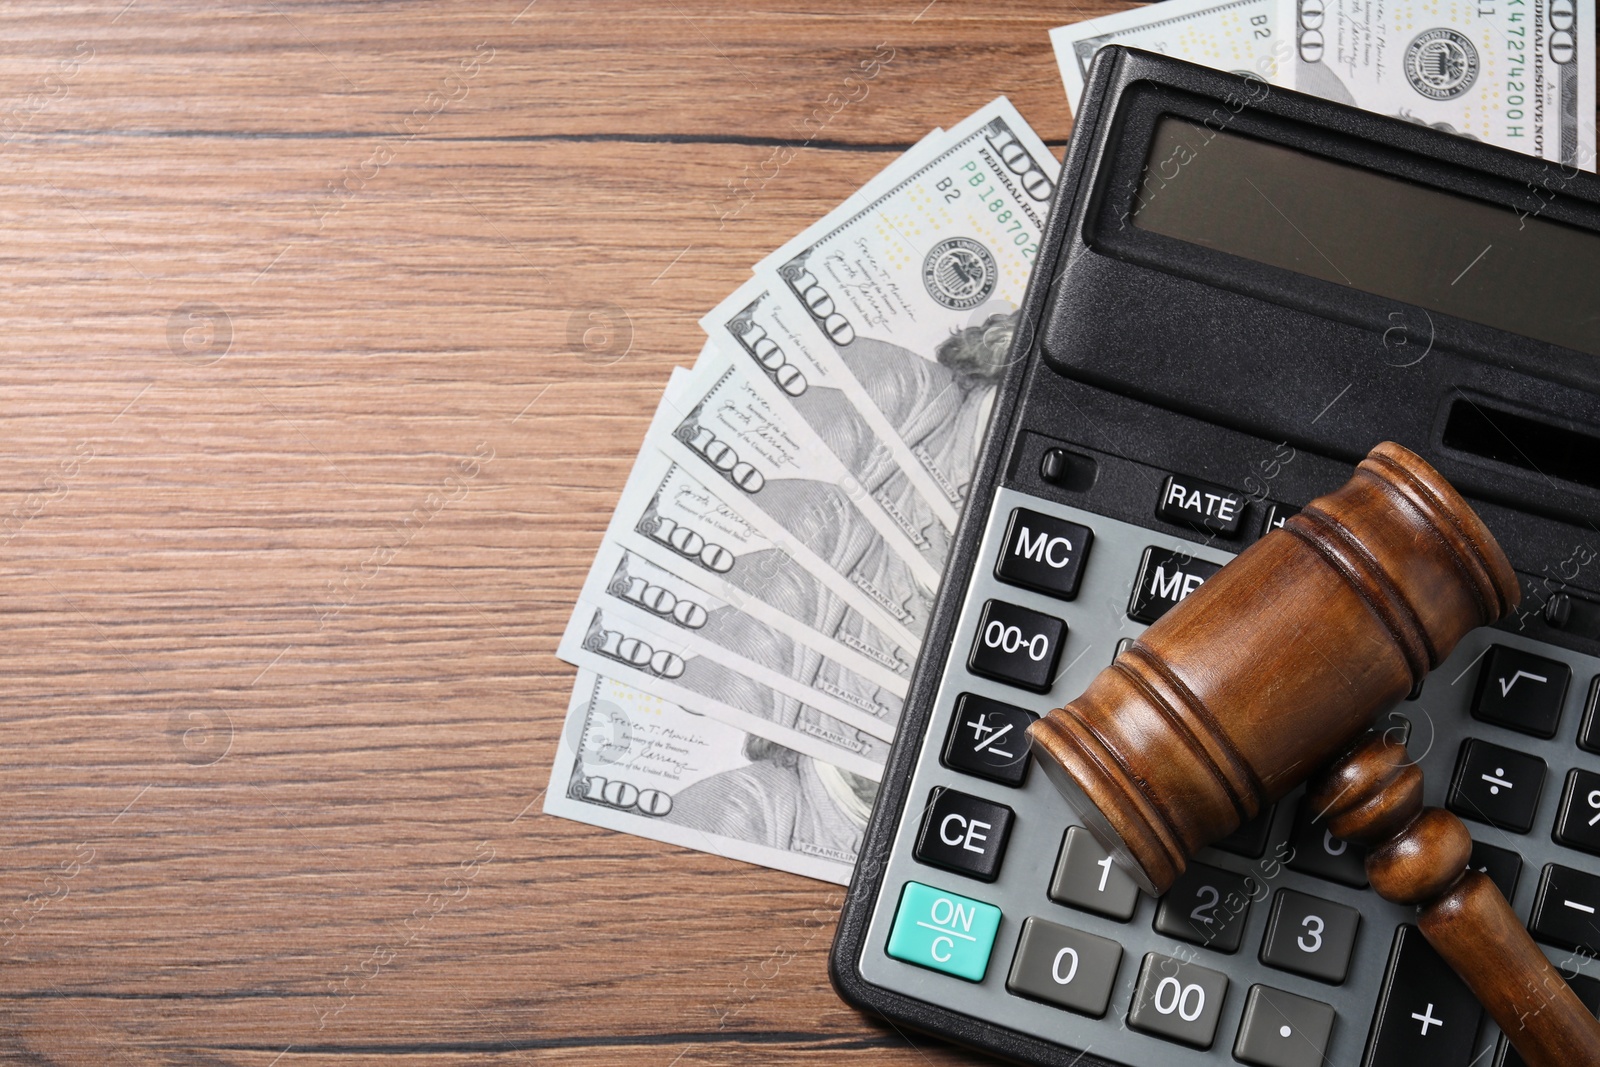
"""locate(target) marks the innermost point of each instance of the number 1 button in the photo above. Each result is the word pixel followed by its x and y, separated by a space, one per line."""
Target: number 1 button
pixel 1087 878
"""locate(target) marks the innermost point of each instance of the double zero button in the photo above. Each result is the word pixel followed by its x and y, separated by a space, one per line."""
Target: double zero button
pixel 1017 645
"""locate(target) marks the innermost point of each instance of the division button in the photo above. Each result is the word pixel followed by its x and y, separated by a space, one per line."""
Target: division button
pixel 1017 645
pixel 1566 911
pixel 988 739
pixel 1043 553
pixel 1316 851
pixel 1496 785
pixel 1578 818
pixel 1425 1014
pixel 1310 936
pixel 1178 1001
pixel 964 833
pixel 1166 577
pixel 943 931
pixel 1521 691
pixel 1064 967
pixel 1502 866
pixel 1282 1029
pixel 1201 505
pixel 1207 906
pixel 1086 877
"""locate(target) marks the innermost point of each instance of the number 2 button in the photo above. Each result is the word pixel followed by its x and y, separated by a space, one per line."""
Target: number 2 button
pixel 1310 936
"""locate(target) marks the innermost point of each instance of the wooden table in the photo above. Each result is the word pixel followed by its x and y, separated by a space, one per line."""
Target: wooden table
pixel 282 696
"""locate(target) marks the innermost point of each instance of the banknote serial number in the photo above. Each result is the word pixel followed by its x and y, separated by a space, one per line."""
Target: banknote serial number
pixel 990 197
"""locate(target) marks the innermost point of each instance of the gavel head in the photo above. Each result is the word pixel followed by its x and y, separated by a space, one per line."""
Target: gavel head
pixel 1272 667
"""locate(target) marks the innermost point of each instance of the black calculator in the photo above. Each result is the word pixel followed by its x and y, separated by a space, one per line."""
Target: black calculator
pixel 1241 290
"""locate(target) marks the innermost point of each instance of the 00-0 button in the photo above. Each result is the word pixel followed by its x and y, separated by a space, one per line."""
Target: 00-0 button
pixel 1017 645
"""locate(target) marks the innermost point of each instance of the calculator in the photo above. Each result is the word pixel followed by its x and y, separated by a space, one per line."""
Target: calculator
pixel 1239 292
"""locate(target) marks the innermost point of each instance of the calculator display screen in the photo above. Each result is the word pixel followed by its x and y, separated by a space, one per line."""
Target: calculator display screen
pixel 1386 236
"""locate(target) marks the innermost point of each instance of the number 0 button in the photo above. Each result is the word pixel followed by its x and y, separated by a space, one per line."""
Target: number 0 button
pixel 1178 1001
pixel 1064 967
pixel 1017 645
pixel 1310 936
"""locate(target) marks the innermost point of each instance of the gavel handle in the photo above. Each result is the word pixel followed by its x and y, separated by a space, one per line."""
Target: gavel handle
pixel 1373 796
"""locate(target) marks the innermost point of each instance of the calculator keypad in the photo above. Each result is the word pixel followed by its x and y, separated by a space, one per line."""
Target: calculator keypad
pixel 1296 939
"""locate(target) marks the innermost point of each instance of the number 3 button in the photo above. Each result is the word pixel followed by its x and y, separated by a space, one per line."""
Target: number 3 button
pixel 1310 936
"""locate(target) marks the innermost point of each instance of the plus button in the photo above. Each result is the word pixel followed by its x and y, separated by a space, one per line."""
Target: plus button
pixel 1427 1019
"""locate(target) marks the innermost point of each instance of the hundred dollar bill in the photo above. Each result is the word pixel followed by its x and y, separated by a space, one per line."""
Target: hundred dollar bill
pixel 599 640
pixel 821 529
pixel 914 297
pixel 673 614
pixel 1237 35
pixel 1515 73
pixel 635 763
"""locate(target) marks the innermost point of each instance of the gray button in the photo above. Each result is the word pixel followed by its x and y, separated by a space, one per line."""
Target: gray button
pixel 1282 1030
pixel 1178 1001
pixel 1310 936
pixel 1087 878
pixel 1065 967
pixel 1208 906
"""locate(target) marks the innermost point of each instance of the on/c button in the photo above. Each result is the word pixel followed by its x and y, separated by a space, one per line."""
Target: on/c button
pixel 944 931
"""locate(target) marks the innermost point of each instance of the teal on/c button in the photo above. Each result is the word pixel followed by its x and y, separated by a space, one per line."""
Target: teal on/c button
pixel 944 931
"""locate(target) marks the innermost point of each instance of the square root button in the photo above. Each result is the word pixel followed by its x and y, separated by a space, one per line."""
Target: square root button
pixel 944 932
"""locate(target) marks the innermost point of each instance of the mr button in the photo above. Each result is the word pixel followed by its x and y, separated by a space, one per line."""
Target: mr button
pixel 964 833
pixel 1166 577
pixel 1201 505
pixel 1043 553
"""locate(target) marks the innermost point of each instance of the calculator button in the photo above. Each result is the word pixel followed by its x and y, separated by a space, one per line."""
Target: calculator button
pixel 1282 1029
pixel 1426 1015
pixel 1310 936
pixel 1588 991
pixel 1578 818
pixel 1497 785
pixel 1064 967
pixel 1202 506
pixel 1207 906
pixel 1566 911
pixel 988 739
pixel 1178 1001
pixel 944 931
pixel 1166 577
pixel 1017 645
pixel 964 833
pixel 1502 866
pixel 1087 878
pixel 1249 840
pixel 1273 516
pixel 1316 851
pixel 1043 553
pixel 1589 732
pixel 1521 691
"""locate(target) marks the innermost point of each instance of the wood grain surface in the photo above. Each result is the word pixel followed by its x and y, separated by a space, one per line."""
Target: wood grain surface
pixel 281 696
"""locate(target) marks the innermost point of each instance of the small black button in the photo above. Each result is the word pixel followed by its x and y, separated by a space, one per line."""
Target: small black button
pixel 1588 991
pixel 1017 645
pixel 1273 516
pixel 1318 852
pixel 1043 553
pixel 1578 818
pixel 1426 1015
pixel 1566 911
pixel 964 833
pixel 989 739
pixel 1249 840
pixel 1070 470
pixel 1496 785
pixel 1521 691
pixel 1589 733
pixel 1201 505
pixel 1502 866
pixel 1166 577
pixel 1207 906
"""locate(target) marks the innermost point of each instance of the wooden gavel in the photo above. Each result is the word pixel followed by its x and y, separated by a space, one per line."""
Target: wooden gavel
pixel 1272 673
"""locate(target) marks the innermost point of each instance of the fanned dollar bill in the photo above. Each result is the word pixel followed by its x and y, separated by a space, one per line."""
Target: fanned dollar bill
pixel 730 438
pixel 599 639
pixel 1516 73
pixel 672 615
pixel 1238 35
pixel 632 762
pixel 914 297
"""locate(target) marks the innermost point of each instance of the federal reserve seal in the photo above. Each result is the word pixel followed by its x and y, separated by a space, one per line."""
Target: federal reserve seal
pixel 960 273
pixel 1441 64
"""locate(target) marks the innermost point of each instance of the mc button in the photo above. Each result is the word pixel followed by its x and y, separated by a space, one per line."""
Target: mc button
pixel 944 931
pixel 1017 645
pixel 1043 553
